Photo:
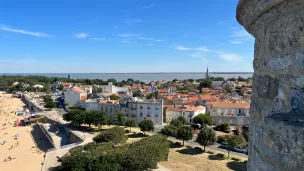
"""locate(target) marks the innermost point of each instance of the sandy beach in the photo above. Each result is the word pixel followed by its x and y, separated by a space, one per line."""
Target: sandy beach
pixel 17 147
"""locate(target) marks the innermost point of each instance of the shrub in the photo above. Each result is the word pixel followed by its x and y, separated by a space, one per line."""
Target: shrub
pixel 238 130
pixel 206 137
pixel 115 135
pixel 225 127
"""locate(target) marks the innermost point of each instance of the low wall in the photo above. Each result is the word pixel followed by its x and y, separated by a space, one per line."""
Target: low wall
pixel 46 133
pixel 232 120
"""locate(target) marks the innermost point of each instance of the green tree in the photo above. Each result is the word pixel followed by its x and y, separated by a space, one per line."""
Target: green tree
pixel 137 94
pixel 206 137
pixel 150 96
pixel 205 84
pixel 170 130
pixel 178 122
pixel 60 87
pixel 114 97
pixel 202 119
pixel 225 127
pixel 241 79
pixel 97 90
pixel 115 135
pixel 119 118
pixel 184 133
pixel 101 118
pixel 146 125
pixel 131 123
pixel 234 141
pixel 223 138
pixel 112 80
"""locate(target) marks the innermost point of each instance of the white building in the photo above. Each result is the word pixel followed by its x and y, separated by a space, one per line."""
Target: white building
pixel 148 109
pixel 110 88
pixel 74 95
pixel 188 112
pixel 233 113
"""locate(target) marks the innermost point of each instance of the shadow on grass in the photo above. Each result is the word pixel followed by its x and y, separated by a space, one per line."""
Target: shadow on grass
pixel 191 151
pixel 239 166
pixel 175 144
pixel 139 135
pixel 216 157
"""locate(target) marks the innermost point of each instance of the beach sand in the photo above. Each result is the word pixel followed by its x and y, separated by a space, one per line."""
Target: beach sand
pixel 19 152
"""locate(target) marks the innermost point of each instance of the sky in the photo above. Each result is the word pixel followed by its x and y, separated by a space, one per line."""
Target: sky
pixel 117 36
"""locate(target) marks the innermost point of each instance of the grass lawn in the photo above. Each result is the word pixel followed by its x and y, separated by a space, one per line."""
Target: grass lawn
pixel 189 158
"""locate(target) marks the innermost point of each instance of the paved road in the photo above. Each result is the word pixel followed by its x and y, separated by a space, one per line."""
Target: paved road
pixel 157 129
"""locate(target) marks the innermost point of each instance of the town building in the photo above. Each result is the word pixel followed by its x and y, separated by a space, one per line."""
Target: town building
pixel 110 88
pixel 74 95
pixel 188 112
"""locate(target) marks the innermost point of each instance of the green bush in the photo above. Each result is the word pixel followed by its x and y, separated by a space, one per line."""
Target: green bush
pixel 115 135
pixel 223 138
pixel 225 127
pixel 131 123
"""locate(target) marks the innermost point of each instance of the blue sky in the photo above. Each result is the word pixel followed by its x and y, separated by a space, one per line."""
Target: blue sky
pixel 122 36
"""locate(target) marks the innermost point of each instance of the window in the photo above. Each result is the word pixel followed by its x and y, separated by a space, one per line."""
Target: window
pixel 156 115
pixel 106 109
pixel 110 110
pixel 148 107
pixel 156 108
pixel 101 108
pixel 141 114
pixel 148 115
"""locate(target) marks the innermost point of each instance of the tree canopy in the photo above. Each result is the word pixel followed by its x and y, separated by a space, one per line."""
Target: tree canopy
pixel 119 118
pixel 206 136
pixel 115 135
pixel 234 141
pixel 131 123
pixel 184 133
pixel 202 119
pixel 146 125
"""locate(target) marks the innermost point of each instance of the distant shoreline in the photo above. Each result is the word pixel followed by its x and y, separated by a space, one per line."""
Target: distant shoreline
pixel 135 73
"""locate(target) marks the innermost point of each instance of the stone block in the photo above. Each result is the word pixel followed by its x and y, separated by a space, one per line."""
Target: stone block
pixel 267 86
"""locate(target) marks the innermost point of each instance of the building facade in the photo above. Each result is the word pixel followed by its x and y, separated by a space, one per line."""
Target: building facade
pixel 188 112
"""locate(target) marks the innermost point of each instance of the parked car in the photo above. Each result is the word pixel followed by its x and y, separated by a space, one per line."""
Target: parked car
pixel 224 145
pixel 239 149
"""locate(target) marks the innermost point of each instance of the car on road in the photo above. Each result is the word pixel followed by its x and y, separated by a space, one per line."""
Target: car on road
pixel 224 145
pixel 240 149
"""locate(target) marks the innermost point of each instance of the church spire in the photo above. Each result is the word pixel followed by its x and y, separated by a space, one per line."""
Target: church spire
pixel 207 74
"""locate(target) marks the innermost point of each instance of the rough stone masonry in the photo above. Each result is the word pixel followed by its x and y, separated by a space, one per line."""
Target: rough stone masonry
pixel 277 121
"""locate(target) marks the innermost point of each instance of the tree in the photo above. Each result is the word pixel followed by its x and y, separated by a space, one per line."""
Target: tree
pixel 241 79
pixel 178 122
pixel 175 80
pixel 137 94
pixel 97 90
pixel 112 80
pixel 150 96
pixel 115 135
pixel 101 119
pixel 206 137
pixel 89 117
pixel 234 141
pixel 202 119
pixel 223 138
pixel 231 79
pixel 170 130
pixel 205 84
pixel 225 127
pixel 146 125
pixel 131 123
pixel 119 118
pixel 60 87
pixel 114 97
pixel 184 133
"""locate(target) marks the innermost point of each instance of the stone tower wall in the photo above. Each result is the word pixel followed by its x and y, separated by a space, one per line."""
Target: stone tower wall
pixel 277 121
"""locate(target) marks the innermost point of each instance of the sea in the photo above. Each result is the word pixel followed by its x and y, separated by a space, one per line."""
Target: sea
pixel 146 77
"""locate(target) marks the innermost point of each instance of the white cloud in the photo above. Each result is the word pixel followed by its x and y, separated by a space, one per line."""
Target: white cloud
pixel 240 36
pixel 230 57
pixel 236 42
pixel 98 39
pixel 81 35
pixel 37 34
pixel 128 35
pixel 125 41
pixel 181 48
pixel 150 39
pixel 148 6
pixel 132 21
